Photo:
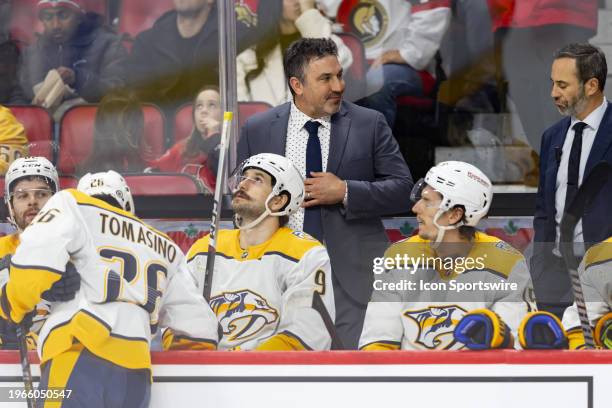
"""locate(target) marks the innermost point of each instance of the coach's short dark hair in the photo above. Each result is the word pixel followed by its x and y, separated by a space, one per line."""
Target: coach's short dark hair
pixel 590 61
pixel 302 51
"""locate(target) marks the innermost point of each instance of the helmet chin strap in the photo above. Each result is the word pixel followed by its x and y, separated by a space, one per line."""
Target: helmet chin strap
pixel 11 218
pixel 259 219
pixel 442 228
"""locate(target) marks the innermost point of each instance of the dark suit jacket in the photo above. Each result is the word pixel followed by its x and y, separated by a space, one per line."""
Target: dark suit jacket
pixel 597 217
pixel 363 152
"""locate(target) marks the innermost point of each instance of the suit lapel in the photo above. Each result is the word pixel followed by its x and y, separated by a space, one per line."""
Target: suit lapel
pixel 340 125
pixel 602 142
pixel 278 131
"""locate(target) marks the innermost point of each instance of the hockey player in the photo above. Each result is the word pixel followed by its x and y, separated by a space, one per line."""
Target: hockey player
pixel 431 281
pixel 265 274
pixel 133 278
pixel 596 279
pixel 29 183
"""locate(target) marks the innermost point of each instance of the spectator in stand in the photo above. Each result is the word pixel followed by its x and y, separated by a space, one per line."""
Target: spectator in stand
pixel 529 32
pixel 76 58
pixel 118 136
pixel 199 153
pixel 13 140
pixel 10 92
pixel 402 38
pixel 259 68
pixel 180 53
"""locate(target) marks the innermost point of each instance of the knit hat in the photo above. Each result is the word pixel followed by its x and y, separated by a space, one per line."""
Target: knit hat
pixel 74 5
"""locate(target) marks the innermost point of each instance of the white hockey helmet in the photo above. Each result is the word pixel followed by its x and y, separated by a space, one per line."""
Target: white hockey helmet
pixel 459 184
pixel 28 167
pixel 108 183
pixel 286 178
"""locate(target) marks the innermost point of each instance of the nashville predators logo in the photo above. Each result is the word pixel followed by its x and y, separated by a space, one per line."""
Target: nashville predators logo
pixel 368 20
pixel 242 314
pixel 436 325
pixel 246 12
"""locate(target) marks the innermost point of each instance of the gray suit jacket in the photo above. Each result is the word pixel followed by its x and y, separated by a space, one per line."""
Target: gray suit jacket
pixel 364 153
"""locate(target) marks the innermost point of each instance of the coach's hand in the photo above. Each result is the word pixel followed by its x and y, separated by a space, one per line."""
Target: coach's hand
pixel 64 289
pixel 323 189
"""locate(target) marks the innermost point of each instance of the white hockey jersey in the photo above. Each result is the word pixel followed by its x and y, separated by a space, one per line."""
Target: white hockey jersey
pixel 419 311
pixel 413 27
pixel 8 246
pixel 262 295
pixel 133 278
pixel 595 272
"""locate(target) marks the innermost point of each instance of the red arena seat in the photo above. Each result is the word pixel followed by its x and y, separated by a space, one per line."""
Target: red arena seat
pixel 39 129
pixel 183 121
pixel 77 130
pixel 158 184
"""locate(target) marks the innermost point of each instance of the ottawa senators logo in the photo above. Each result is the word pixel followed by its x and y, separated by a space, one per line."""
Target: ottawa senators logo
pixel 436 325
pixel 368 20
pixel 242 314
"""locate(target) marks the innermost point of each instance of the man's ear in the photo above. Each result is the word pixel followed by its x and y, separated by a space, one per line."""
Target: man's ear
pixel 455 215
pixel 591 86
pixel 296 85
pixel 279 202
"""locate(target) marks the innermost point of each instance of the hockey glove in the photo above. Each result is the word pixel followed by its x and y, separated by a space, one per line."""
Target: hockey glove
pixel 64 289
pixel 603 332
pixel 542 331
pixel 5 262
pixel 483 329
pixel 8 332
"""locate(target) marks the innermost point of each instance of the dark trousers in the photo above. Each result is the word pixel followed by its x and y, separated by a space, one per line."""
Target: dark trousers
pixel 551 283
pixel 350 315
pixel 94 382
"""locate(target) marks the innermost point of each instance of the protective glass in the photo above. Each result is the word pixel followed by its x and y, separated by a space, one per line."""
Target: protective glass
pixel 23 195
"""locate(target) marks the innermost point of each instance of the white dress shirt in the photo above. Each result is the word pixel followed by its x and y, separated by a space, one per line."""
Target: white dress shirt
pixel 295 150
pixel 588 137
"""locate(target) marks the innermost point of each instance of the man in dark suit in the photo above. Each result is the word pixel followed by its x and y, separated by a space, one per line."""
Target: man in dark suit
pixel 353 168
pixel 570 149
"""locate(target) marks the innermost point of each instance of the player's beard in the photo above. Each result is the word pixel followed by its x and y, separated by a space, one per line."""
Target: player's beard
pixel 246 210
pixel 575 105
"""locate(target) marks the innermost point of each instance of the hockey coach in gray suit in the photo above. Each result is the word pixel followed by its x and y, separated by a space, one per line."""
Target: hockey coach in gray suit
pixel 354 172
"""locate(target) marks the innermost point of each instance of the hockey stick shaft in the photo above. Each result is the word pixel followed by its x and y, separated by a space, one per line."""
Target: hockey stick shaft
pixel 217 201
pixel 26 373
pixel 319 306
pixel 589 188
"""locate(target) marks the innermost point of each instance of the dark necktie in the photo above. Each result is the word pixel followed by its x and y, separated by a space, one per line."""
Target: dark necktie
pixel 573 167
pixel 312 215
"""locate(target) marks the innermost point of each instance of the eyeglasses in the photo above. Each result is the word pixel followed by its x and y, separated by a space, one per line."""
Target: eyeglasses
pixel 36 193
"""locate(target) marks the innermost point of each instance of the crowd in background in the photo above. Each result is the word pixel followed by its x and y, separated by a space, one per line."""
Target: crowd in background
pixel 444 73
